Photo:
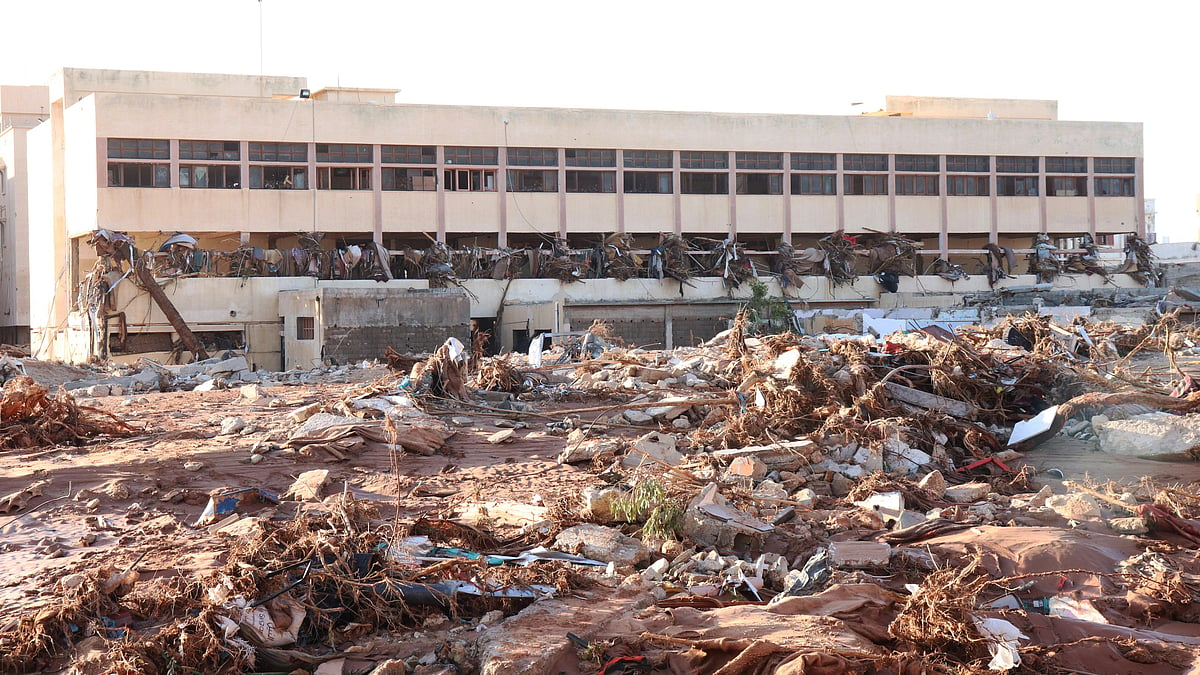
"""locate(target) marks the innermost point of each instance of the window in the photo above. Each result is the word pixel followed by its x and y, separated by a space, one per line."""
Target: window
pixel 966 186
pixel 591 181
pixel 470 180
pixel 860 162
pixel 1066 165
pixel 306 328
pixel 532 157
pixel 345 153
pixel 133 174
pixel 647 182
pixel 477 156
pixel 760 160
pixel 760 184
pixel 408 180
pixel 968 163
pixel 343 178
pixel 226 151
pixel 1066 186
pixel 917 163
pixel 916 184
pixel 648 159
pixel 138 148
pixel 814 161
pixel 814 184
pixel 407 154
pixel 223 176
pixel 1016 186
pixel 278 152
pixel 1113 165
pixel 713 183
pixel 3 186
pixel 274 177
pixel 703 160
pixel 591 158
pixel 859 184
pixel 1017 165
pixel 532 181
pixel 1114 187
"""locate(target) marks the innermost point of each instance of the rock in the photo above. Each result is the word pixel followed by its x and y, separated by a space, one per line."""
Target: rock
pixel 710 520
pixel 193 466
pixel 585 449
pixel 691 380
pixel 656 570
pixel 602 543
pixel 598 502
pixel 210 384
pixel 805 497
pixel 967 492
pixel 492 618
pixel 986 511
pixel 116 390
pixel 840 485
pixel 900 456
pixel 98 390
pixel 681 423
pixel 308 485
pixel 302 413
pixel 637 417
pixel 859 553
pixel 870 459
pixel 390 667
pixel 462 421
pixel 667 411
pixel 510 424
pixel 1128 525
pixel 231 425
pixel 501 436
pixel 1074 506
pixel 746 467
pixel 253 393
pixel 933 482
pixel 769 490
pixel 889 505
pixel 653 445
pixel 1039 499
pixel 1148 435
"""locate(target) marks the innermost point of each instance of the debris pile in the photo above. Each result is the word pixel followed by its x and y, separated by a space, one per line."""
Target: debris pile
pixel 30 417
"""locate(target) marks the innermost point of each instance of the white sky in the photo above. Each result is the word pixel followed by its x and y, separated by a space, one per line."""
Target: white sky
pixel 1102 60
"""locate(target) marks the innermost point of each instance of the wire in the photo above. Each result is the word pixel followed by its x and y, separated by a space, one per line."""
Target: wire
pixel 508 184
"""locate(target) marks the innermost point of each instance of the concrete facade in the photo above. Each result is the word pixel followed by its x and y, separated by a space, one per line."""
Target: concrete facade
pixel 120 150
pixel 21 108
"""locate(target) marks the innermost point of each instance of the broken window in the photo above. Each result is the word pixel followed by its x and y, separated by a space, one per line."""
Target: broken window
pixel 532 157
pixel 409 180
pixel 345 153
pixel 1113 165
pixel 767 161
pixel 269 177
pixel 343 178
pixel 1016 165
pixel 224 176
pixel 470 180
pixel 865 184
pixel 1114 187
pixel 591 158
pixel 1066 186
pixel 1066 165
pixel 138 148
pixel 306 328
pixel 712 183
pixel 647 182
pixel 969 163
pixel 966 186
pixel 861 162
pixel 408 154
pixel 760 183
pixel 532 181
pixel 1016 186
pixel 226 151
pixel 133 174
pixel 278 152
pixel 814 184
pixel 918 163
pixel 591 181
pixel 648 159
pixel 703 160
pixel 477 156
pixel 814 161
pixel 915 184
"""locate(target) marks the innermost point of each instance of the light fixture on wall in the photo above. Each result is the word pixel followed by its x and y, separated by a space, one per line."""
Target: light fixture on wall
pixel 304 93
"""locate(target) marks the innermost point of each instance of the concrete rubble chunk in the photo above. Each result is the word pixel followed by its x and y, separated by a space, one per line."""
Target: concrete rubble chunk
pixel 512 514
pixel 304 412
pixel 746 467
pixel 806 497
pixel 253 393
pixel 787 456
pixel 586 449
pixel 602 543
pixel 967 492
pixel 1149 435
pixel 889 505
pixel 934 483
pixel 859 553
pixel 668 411
pixel 598 502
pixel 501 436
pixel 710 520
pixel 654 445
pixel 634 416
pixel 308 485
pixel 1135 525
pixel 1075 506
pixel 211 384
pixel 232 425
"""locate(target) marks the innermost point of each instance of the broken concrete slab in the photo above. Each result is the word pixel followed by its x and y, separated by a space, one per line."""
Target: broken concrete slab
pixel 513 514
pixel 889 505
pixel 711 521
pixel 1075 506
pixel 308 485
pixel 787 456
pixel 637 417
pixel 586 449
pixel 501 436
pixel 933 482
pixel 967 492
pixel 653 446
pixel 859 553
pixel 1151 435
pixel 743 468
pixel 1135 525
pixel 602 543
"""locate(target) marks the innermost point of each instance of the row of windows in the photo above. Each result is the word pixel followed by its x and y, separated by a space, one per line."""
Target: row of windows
pixel 273 176
pixel 125 148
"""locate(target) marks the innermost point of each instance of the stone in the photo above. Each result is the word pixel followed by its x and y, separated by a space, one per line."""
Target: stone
pixel 900 456
pixel 193 466
pixel 681 423
pixel 98 390
pixel 656 570
pixel 934 483
pixel 585 449
pixel 253 393
pixel 805 497
pixel 668 411
pixel 859 553
pixel 692 381
pixel 967 492
pixel 1074 506
pixel 598 502
pixel 870 459
pixel 1148 435
pixel 210 384
pixel 769 490
pixel 501 436
pixel 746 467
pixel 889 505
pixel 637 417
pixel 231 425
pixel 1039 499
pixel 840 485
pixel 390 667
pixel 302 413
pixel 908 519
pixel 308 485
pixel 710 520
pixel 1134 525
pixel 462 421
pixel 652 446
pixel 116 390
pixel 602 543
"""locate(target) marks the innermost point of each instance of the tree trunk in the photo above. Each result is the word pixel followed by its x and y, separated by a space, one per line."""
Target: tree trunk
pixel 189 339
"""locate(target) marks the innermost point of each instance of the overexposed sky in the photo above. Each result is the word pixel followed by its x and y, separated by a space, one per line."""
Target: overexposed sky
pixel 1102 60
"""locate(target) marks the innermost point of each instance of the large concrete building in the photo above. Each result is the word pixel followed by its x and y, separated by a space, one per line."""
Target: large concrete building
pixel 257 163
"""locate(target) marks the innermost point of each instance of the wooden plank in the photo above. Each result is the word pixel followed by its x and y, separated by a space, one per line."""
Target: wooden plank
pixel 922 399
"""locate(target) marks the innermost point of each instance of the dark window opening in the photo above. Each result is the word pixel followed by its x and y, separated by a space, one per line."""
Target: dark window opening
pixel 278 152
pixel 532 157
pixel 227 151
pixel 408 154
pixel 306 328
pixel 648 159
pixel 907 184
pixel 968 163
pixel 345 153
pixel 1066 165
pixel 703 160
pixel 408 180
pixel 1017 186
pixel 139 175
pixel 865 184
pixel 532 181
pixel 1066 186
pixel 591 181
pixel 278 177
pixel 1113 165
pixel 814 161
pixel 814 184
pixel 592 158
pixel 470 180
pixel 479 156
pixel 1114 187
pixel 917 163
pixel 766 161
pixel 222 176
pixel 647 182
pixel 138 148
pixel 704 183
pixel 1016 165
pixel 967 186
pixel 861 162
pixel 343 178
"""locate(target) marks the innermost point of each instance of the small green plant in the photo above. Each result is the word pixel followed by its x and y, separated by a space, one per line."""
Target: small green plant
pixel 648 503
pixel 766 314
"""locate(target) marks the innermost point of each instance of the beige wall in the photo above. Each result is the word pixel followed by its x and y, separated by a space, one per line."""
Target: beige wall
pixel 933 106
pixel 1116 214
pixel 918 213
pixel 532 212
pixel 706 213
pixel 414 211
pixel 591 213
pixel 760 213
pixel 73 84
pixel 814 214
pixel 969 214
pixel 1066 213
pixel 1019 214
pixel 865 212
pixel 14 228
pixel 472 211
pixel 649 213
